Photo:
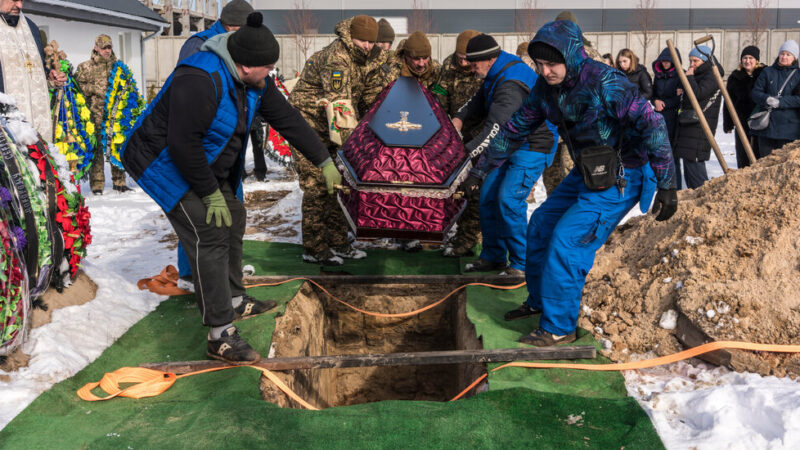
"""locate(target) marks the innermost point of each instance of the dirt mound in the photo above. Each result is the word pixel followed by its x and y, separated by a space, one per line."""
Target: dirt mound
pixel 728 261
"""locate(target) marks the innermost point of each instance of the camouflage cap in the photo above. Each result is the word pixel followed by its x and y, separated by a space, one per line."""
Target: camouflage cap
pixel 103 40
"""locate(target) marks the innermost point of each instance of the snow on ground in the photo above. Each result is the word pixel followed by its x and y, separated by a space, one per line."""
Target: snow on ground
pixel 692 405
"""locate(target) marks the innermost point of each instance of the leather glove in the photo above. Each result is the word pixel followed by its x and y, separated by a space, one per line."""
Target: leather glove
pixel 665 204
pixel 773 102
pixel 472 183
pixel 217 208
pixel 331 175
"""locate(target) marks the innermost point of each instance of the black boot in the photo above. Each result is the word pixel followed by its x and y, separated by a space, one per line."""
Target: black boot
pixel 122 189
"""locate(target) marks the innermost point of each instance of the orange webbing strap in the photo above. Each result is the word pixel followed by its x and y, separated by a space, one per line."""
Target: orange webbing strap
pixel 645 363
pixel 395 315
pixel 151 383
pixel 165 283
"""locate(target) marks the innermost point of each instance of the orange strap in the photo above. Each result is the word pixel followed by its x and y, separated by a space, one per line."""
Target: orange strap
pixel 165 283
pixel 395 315
pixel 646 363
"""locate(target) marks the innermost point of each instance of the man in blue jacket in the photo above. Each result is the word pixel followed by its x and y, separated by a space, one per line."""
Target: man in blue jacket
pixel 507 80
pixel 232 17
pixel 187 152
pixel 594 105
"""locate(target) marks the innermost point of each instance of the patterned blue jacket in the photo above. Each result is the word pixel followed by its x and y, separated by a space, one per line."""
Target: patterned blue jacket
pixel 598 105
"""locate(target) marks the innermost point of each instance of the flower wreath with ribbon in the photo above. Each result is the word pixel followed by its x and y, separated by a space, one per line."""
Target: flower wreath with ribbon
pixel 278 149
pixel 123 105
pixel 74 130
pixel 14 300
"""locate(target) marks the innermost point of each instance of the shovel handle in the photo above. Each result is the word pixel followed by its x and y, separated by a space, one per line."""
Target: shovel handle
pixel 703 39
pixel 345 190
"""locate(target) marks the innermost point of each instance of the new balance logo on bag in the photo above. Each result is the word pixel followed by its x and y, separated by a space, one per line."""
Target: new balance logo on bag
pixel 599 170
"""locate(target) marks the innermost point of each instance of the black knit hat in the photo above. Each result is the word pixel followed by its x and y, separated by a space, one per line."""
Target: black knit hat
pixel 235 13
pixel 751 50
pixel 482 48
pixel 254 45
pixel 540 50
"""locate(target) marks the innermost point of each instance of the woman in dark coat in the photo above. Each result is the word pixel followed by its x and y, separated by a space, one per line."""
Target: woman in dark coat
pixel 667 91
pixel 628 63
pixel 784 120
pixel 740 84
pixel 691 145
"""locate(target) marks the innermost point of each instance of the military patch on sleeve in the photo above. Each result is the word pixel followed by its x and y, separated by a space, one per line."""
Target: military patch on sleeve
pixel 336 80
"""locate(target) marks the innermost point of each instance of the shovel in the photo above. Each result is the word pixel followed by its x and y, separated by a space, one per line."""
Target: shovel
pixel 693 99
pixel 728 103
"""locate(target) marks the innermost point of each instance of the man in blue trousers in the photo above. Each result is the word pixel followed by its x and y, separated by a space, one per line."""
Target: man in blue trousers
pixel 505 187
pixel 622 155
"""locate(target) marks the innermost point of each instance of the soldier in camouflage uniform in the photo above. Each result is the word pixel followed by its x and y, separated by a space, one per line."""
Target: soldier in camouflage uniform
pixel 92 79
pixel 412 59
pixel 456 85
pixel 335 73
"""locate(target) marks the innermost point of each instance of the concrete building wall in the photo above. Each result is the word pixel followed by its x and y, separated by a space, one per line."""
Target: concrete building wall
pixel 77 40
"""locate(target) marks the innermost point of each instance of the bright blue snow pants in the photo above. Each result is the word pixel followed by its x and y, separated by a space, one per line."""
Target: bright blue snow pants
pixel 184 269
pixel 503 210
pixel 563 235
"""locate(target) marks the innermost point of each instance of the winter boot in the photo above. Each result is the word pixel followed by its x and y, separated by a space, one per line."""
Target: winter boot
pixel 542 338
pixel 512 272
pixel 231 348
pixel 524 311
pixel 250 307
pixel 482 265
pixel 122 189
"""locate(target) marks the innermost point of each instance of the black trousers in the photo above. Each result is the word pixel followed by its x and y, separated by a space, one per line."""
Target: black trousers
pixel 257 138
pixel 767 145
pixel 215 254
pixel 742 160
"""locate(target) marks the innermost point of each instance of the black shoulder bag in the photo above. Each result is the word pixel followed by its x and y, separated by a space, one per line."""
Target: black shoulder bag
pixel 599 164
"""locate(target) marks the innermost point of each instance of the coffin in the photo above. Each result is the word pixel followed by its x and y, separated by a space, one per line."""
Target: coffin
pixel 401 167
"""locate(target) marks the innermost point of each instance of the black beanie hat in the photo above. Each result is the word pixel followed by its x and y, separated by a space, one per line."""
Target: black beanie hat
pixel 751 50
pixel 482 48
pixel 254 45
pixel 540 50
pixel 235 13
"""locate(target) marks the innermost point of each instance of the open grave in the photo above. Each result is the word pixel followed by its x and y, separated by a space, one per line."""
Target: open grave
pixel 315 324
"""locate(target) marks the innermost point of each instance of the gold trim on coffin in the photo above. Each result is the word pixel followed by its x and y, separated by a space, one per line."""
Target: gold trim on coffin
pixel 409 192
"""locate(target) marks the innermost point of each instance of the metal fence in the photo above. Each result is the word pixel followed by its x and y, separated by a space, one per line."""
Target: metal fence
pixel 162 52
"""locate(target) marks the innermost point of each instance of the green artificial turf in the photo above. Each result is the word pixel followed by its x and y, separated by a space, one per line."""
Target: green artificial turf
pixel 523 408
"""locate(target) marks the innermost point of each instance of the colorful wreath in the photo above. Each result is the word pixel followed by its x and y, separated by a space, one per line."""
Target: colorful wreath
pixel 74 130
pixel 123 106
pixel 14 299
pixel 278 149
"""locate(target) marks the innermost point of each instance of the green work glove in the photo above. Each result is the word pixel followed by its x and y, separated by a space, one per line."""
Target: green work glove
pixel 216 206
pixel 331 175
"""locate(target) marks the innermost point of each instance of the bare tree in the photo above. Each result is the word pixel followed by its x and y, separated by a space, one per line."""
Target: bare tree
pixel 526 19
pixel 644 23
pixel 756 19
pixel 303 25
pixel 420 18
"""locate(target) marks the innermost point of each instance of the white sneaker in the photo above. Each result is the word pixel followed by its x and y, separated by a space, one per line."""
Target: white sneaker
pixel 349 252
pixel 186 285
pixel 329 259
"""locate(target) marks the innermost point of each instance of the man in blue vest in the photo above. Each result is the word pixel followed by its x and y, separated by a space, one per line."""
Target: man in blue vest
pixel 232 17
pixel 503 191
pixel 187 152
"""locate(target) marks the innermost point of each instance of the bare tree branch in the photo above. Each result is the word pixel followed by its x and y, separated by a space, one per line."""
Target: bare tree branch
pixel 756 19
pixel 526 19
pixel 303 25
pixel 420 18
pixel 644 22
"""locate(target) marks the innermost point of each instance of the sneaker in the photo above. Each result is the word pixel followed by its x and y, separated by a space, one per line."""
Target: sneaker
pixel 122 189
pixel 482 265
pixel 456 251
pixel 186 284
pixel 231 348
pixel 542 338
pixel 512 272
pixel 327 258
pixel 412 246
pixel 251 307
pixel 349 252
pixel 524 311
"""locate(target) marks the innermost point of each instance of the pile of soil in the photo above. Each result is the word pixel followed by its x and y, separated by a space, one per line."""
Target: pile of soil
pixel 728 260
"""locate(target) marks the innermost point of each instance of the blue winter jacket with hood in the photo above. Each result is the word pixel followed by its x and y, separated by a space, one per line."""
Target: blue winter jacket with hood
pixel 598 106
